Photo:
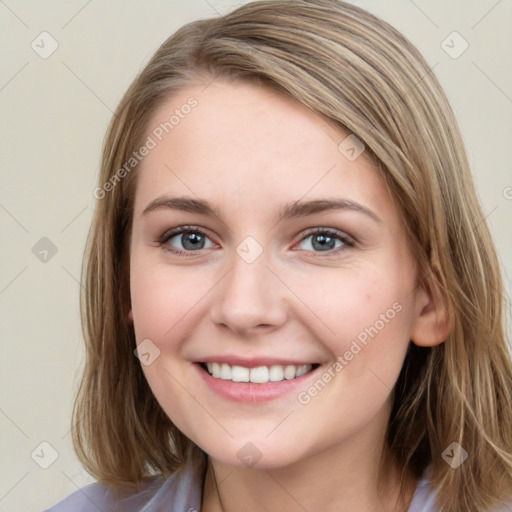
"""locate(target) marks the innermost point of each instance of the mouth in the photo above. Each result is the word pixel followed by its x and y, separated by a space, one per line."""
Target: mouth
pixel 256 374
pixel 255 379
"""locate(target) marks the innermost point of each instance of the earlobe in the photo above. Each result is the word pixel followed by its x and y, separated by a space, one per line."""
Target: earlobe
pixel 433 322
pixel 130 315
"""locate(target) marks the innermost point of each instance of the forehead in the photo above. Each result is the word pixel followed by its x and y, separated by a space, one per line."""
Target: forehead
pixel 243 146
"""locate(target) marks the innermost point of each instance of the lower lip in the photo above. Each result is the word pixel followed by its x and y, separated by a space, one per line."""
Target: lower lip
pixel 251 392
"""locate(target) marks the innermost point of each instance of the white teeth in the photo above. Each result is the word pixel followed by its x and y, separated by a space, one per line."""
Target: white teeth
pixel 258 375
pixel 225 371
pixel 216 370
pixel 239 374
pixel 301 370
pixel 289 372
pixel 276 373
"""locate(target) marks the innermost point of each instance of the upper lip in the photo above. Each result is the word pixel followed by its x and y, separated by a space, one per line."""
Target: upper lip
pixel 254 362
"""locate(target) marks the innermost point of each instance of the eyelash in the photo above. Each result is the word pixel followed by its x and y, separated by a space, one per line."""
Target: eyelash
pixel 338 235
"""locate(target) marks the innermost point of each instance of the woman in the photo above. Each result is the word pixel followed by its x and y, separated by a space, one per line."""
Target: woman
pixel 288 236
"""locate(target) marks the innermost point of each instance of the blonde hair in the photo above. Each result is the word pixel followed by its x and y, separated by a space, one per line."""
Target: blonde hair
pixel 358 71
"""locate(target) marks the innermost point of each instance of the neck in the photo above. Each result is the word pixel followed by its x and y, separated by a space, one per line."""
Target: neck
pixel 342 478
pixel 226 490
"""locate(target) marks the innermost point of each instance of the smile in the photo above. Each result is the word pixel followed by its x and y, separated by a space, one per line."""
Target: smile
pixel 256 375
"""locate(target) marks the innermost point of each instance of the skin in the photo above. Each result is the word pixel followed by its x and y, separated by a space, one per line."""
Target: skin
pixel 248 151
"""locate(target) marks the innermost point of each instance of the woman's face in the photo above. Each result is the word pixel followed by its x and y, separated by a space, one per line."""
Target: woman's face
pixel 293 259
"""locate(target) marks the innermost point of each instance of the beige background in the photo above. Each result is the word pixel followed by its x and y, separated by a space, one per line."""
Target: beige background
pixel 54 115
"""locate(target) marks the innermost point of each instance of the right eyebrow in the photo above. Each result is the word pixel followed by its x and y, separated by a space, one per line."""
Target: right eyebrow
pixel 185 204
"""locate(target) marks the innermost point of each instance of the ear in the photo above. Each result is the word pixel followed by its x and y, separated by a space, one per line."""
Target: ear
pixel 130 316
pixel 433 321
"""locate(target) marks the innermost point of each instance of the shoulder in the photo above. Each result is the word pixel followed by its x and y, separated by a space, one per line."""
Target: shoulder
pixel 97 496
pixel 504 507
pixel 181 491
pixel 424 499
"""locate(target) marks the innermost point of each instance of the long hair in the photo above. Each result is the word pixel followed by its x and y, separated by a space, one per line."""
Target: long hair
pixel 356 70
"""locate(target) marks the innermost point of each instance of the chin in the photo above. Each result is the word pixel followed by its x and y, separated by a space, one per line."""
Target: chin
pixel 254 454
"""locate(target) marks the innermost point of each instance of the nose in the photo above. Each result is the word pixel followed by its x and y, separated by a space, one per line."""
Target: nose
pixel 250 298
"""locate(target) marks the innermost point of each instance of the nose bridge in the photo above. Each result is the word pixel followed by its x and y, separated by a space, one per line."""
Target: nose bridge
pixel 250 296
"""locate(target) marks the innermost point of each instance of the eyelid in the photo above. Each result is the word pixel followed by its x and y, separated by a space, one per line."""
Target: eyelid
pixel 347 240
pixel 171 233
pixel 332 231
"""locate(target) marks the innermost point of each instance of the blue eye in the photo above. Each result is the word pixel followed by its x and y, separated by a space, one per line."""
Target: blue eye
pixel 185 239
pixel 324 240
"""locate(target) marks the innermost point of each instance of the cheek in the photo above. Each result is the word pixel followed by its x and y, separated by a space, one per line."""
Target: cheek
pixel 345 301
pixel 365 324
pixel 162 297
pixel 162 301
pixel 363 316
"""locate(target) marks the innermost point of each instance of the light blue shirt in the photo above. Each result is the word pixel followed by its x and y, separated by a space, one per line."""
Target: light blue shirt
pixel 181 492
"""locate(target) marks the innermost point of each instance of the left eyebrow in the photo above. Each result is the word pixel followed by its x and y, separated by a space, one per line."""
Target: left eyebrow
pixel 304 208
pixel 290 210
